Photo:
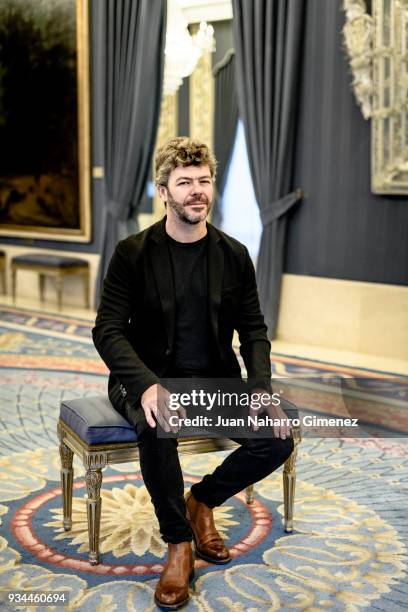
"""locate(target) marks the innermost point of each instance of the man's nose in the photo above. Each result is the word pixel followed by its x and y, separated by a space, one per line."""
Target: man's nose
pixel 196 187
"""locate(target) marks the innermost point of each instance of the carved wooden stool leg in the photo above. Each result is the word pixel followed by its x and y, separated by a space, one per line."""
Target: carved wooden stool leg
pixel 289 482
pixel 41 286
pixel 249 492
pixel 67 476
pixel 87 289
pixel 93 479
pixel 59 285
pixel 14 283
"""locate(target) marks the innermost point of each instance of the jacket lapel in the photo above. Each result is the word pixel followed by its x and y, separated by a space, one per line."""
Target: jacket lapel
pixel 215 274
pixel 163 274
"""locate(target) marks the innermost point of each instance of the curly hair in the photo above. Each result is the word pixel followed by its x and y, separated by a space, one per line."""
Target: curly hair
pixel 182 151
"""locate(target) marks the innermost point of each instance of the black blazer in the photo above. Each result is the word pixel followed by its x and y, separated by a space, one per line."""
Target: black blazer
pixel 134 328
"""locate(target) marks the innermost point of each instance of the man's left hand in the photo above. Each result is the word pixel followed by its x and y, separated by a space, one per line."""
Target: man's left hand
pixel 274 411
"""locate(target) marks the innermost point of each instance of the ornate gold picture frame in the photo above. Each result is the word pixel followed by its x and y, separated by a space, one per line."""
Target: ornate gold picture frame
pixel 389 128
pixel 45 120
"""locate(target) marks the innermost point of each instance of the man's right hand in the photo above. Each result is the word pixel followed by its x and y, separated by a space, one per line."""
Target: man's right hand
pixel 155 403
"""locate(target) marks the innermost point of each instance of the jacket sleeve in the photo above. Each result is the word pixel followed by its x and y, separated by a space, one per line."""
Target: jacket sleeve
pixel 254 344
pixel 109 333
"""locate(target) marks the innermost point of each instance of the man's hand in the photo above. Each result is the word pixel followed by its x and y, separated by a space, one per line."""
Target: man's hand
pixel 261 403
pixel 156 403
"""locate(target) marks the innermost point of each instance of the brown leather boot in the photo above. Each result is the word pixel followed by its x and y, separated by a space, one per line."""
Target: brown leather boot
pixel 172 589
pixel 208 542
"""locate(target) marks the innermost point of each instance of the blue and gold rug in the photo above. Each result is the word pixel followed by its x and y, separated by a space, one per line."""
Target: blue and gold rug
pixel 347 551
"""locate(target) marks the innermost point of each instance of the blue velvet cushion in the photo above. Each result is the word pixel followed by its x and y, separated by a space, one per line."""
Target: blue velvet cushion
pixel 55 261
pixel 95 421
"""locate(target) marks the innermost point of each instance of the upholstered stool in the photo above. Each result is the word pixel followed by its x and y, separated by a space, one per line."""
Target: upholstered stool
pixel 57 266
pixel 93 430
pixel 3 271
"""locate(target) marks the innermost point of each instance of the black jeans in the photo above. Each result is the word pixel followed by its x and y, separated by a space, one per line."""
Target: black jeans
pixel 159 461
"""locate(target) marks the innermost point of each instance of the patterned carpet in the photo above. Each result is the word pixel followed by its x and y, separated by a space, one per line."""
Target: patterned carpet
pixel 347 552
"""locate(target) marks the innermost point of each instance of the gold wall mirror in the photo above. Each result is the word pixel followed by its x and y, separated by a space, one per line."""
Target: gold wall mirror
pixel 377 47
pixel 389 128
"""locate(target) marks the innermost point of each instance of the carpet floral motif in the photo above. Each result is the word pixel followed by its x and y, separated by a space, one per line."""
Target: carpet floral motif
pixel 128 523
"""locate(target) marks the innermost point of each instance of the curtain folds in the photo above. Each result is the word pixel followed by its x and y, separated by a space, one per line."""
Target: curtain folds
pixel 268 42
pixel 225 124
pixel 128 59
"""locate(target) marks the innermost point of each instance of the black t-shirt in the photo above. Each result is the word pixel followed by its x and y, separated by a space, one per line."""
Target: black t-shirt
pixel 192 338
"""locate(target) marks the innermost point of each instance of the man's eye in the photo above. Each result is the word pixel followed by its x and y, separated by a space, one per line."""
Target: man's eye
pixel 183 183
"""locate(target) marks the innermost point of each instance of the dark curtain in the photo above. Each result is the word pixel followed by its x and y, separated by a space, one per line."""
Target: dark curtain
pixel 225 124
pixel 129 37
pixel 268 43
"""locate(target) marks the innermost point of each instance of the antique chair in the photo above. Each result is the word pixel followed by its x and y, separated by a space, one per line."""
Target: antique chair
pixel 57 266
pixel 93 430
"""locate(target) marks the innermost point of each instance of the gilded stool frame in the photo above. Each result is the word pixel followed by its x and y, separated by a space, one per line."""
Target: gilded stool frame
pixel 98 456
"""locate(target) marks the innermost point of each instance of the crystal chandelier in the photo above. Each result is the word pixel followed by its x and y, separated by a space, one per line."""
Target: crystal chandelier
pixel 183 50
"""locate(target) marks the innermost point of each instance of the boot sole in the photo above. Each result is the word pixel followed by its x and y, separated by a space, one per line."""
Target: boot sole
pixel 176 606
pixel 205 557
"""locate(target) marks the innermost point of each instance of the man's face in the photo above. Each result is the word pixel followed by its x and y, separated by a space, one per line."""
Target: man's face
pixel 189 193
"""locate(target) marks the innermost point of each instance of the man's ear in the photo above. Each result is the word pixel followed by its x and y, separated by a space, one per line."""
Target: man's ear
pixel 162 192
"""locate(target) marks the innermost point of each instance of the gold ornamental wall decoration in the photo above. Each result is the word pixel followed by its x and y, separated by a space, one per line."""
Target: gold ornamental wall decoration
pixel 202 100
pixel 377 46
pixel 168 126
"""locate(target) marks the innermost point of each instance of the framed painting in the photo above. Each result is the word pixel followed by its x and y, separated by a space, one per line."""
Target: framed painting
pixel 44 119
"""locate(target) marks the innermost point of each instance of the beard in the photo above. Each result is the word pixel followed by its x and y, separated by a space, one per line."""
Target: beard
pixel 184 210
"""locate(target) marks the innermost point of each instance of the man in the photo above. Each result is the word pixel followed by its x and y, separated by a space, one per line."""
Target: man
pixel 172 297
